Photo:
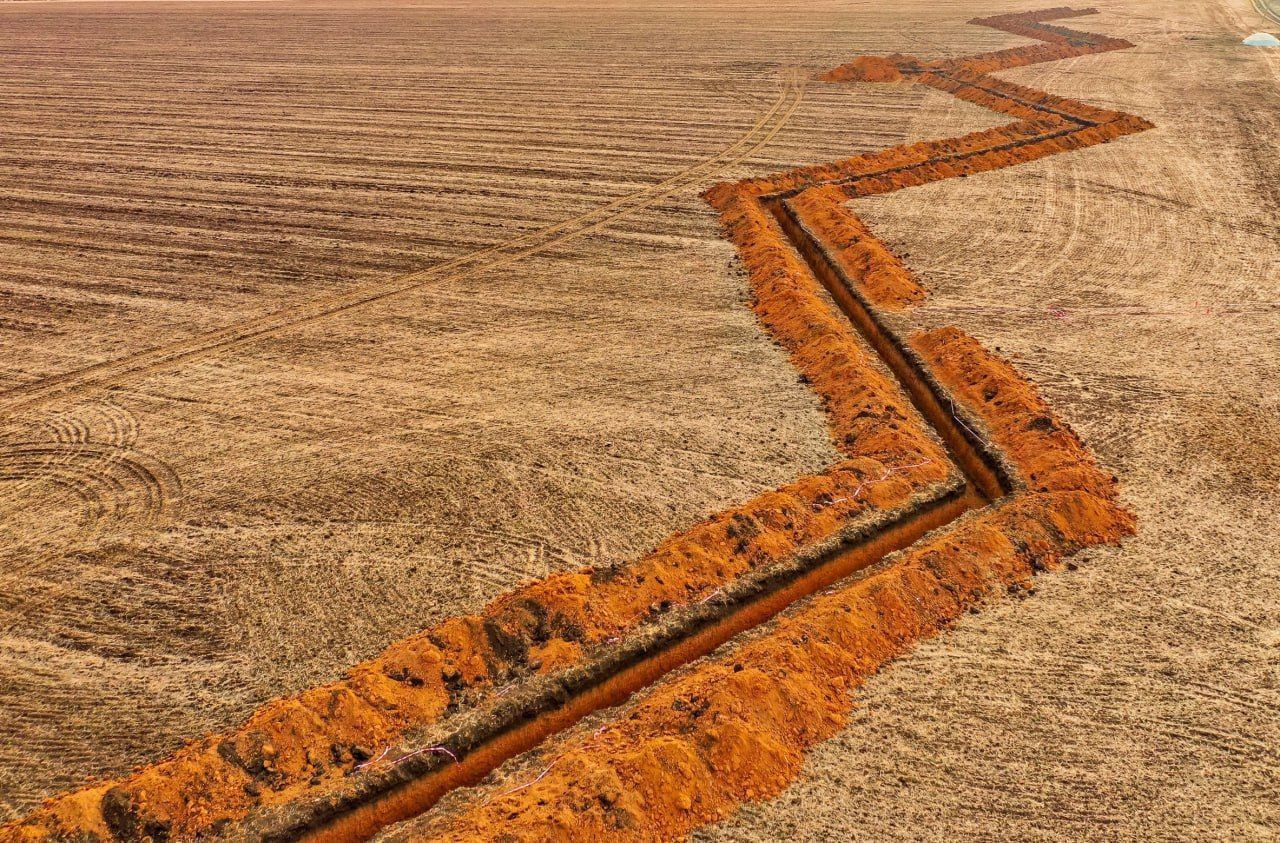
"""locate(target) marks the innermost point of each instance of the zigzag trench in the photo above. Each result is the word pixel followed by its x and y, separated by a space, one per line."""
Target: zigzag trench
pixel 957 482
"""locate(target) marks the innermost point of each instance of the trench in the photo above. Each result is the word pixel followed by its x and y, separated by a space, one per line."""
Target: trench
pixel 561 708
pixel 378 800
pixel 484 737
pixel 1005 95
pixel 975 456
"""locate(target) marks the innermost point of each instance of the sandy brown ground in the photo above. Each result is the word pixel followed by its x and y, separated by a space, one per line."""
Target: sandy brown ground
pixel 1139 696
pixel 248 522
pixel 349 482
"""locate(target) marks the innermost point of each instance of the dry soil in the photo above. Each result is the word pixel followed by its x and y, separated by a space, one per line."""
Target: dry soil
pixel 186 537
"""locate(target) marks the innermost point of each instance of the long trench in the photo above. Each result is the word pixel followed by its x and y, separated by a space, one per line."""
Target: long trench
pixel 379 800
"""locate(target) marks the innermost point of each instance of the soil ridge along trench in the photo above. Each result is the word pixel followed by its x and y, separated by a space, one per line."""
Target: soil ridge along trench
pixel 984 467
pixel 633 665
pixel 991 476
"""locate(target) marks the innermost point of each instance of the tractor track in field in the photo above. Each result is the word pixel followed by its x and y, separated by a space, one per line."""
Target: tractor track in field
pixel 975 468
pixel 113 372
pixel 1267 10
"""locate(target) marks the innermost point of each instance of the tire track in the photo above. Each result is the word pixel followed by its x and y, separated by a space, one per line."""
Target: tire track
pixel 126 483
pixel 91 459
pixel 1265 9
pixel 110 484
pixel 114 372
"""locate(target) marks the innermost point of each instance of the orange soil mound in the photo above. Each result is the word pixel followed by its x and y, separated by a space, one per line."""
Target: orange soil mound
pixel 1023 56
pixel 1035 16
pixel 1016 100
pixel 864 69
pixel 928 161
pixel 735 729
pixel 888 162
pixel 1015 144
pixel 1049 454
pixel 880 274
pixel 1032 25
pixel 299 743
pixel 863 406
pixel 1048 124
pixel 1063 42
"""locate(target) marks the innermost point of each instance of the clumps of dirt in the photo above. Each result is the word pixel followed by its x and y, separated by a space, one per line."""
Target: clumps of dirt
pixel 867 411
pixel 1016 100
pixel 881 276
pixel 865 69
pixel 1047 124
pixel 1047 453
pixel 1062 43
pixel 735 729
pixel 899 166
pixel 297 744
pixel 1023 56
pixel 1032 25
pixel 919 163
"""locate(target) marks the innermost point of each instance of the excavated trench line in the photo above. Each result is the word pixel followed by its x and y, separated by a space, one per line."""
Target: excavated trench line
pixel 633 665
pixel 977 458
pixel 640 660
pixel 413 788
pixel 987 476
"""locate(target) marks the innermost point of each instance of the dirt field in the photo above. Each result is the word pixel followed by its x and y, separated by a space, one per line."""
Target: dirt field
pixel 253 519
pixel 1137 697
pixel 322 422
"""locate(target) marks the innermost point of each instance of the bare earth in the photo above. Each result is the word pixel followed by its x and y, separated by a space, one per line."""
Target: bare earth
pixel 1139 696
pixel 189 538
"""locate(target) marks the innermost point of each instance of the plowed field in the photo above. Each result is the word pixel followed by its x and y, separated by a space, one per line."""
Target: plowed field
pixel 394 390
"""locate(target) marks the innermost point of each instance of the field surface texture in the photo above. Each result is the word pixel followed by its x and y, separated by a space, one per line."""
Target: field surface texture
pixel 331 323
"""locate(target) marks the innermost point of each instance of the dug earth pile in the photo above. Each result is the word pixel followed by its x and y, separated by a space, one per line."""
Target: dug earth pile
pixel 1135 697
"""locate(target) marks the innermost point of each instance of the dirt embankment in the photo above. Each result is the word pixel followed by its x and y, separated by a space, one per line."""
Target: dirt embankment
pixel 865 69
pixel 305 743
pixel 881 275
pixel 735 729
pixel 297 744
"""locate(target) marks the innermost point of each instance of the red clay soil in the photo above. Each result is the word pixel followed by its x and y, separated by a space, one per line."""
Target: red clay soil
pixel 1063 42
pixel 790 689
pixel 735 729
pixel 919 163
pixel 298 743
pixel 878 273
pixel 1047 124
pixel 1048 454
pixel 864 69
pixel 787 299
